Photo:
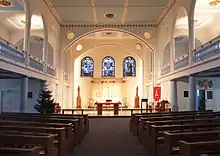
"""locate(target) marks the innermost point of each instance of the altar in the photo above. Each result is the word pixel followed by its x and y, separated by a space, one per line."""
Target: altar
pixel 100 106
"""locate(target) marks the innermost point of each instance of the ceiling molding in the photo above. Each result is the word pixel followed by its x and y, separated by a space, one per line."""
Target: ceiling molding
pixel 94 15
pixel 165 11
pixel 124 12
pixel 53 11
pixel 108 25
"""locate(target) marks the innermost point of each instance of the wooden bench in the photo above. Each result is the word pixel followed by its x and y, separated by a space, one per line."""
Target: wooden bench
pixel 78 133
pixel 61 139
pixel 66 116
pixel 189 148
pixel 69 136
pixel 135 120
pixel 153 131
pixel 7 151
pixel 151 120
pixel 46 142
pixel 171 139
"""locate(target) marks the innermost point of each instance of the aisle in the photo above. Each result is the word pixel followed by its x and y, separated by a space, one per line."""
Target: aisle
pixel 109 137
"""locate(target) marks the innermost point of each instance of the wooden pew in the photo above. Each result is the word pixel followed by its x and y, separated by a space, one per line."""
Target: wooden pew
pixel 78 134
pixel 135 120
pixel 189 148
pixel 45 141
pixel 151 120
pixel 62 141
pixel 7 151
pixel 66 116
pixel 154 131
pixel 69 142
pixel 171 139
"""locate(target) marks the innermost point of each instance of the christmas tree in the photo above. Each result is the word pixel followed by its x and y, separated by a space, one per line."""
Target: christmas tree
pixel 46 104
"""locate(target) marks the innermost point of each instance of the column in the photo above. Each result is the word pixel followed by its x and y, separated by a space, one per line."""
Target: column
pixel 172 54
pixel 45 52
pixel 191 39
pixel 173 94
pixel 26 46
pixel 24 94
pixel 192 93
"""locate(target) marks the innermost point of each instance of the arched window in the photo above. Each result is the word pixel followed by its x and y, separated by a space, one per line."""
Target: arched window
pixel 87 66
pixel 129 66
pixel 108 66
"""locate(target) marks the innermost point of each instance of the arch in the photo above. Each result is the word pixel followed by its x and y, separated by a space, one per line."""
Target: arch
pixel 166 54
pixel 180 34
pixel 129 66
pixel 50 58
pixel 206 19
pixel 108 67
pixel 87 67
pixel 110 29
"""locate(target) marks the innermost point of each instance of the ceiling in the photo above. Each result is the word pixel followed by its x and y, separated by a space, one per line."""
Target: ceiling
pixel 93 11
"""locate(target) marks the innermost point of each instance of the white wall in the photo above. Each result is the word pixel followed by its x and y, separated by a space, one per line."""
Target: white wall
pixel 183 102
pixel 128 88
pixel 10 94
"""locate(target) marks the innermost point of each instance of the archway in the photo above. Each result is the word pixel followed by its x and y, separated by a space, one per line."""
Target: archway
pixel 180 35
pixel 206 19
pixel 107 40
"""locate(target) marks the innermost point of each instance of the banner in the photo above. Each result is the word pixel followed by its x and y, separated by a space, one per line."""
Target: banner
pixel 157 93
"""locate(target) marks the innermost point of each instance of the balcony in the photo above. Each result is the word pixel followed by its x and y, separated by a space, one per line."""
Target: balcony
pixel 182 61
pixel 12 54
pixel 165 69
pixel 207 50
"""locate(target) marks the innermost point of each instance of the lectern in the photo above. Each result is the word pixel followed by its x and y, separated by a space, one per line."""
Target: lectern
pixel 144 101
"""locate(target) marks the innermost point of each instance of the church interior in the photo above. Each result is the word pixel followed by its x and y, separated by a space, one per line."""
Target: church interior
pixel 74 74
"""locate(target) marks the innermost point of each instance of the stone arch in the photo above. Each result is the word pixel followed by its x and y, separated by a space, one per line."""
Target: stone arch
pixel 166 54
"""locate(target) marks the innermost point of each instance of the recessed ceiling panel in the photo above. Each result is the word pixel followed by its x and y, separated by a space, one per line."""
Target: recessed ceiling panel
pixel 15 6
pixel 117 3
pixel 157 3
pixel 75 14
pixel 70 2
pixel 142 15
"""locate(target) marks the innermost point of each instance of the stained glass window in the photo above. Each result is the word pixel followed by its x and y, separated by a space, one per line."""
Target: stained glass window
pixel 87 66
pixel 108 66
pixel 129 66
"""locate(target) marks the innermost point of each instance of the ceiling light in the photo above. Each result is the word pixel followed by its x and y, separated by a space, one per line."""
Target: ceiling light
pixel 148 35
pixel 109 15
pixel 18 21
pixel 79 47
pixel 138 46
pixel 214 2
pixel 5 3
pixel 70 35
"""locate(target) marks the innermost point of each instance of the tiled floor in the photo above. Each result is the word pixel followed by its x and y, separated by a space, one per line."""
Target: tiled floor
pixel 109 137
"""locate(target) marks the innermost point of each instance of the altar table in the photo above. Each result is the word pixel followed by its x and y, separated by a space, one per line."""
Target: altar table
pixel 100 106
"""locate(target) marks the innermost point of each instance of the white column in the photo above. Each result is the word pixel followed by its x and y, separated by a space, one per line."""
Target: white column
pixel 45 52
pixel 192 93
pixel 172 42
pixel 173 94
pixel 191 39
pixel 26 44
pixel 24 94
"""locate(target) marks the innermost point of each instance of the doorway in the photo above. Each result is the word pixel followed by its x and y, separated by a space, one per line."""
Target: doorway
pixel 205 99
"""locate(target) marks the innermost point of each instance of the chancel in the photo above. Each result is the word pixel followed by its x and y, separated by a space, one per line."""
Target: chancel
pixel 76 73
